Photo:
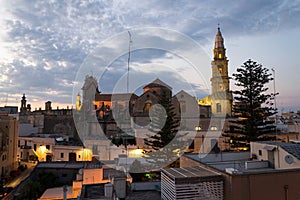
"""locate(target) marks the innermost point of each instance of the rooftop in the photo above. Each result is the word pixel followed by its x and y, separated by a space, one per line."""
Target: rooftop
pixel 232 162
pixel 68 165
pixel 56 193
pixel 144 195
pixel 293 149
pixel 60 165
pixel 94 191
pixel 158 83
pixel 191 174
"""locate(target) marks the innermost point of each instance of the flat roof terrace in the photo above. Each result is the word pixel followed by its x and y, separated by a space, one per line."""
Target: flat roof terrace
pixel 194 174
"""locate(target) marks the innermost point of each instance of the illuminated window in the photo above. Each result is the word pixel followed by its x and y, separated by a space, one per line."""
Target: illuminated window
pixel 220 55
pixel 220 70
pixel 147 107
pixel 213 128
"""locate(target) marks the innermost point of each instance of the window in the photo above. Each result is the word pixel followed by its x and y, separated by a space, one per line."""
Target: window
pixel 61 155
pixel 95 149
pixel 220 55
pixel 34 147
pixel 147 107
pixel 259 152
pixel 219 108
pixel 182 107
pixel 164 93
pixel 48 146
pixel 220 86
pixel 220 69
pixel 19 143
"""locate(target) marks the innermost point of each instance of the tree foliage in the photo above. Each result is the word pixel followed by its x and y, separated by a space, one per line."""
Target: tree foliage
pixel 253 104
pixel 167 128
pixel 165 125
pixel 39 183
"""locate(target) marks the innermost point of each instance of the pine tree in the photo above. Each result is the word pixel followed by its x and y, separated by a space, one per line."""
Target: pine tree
pixel 252 106
pixel 165 125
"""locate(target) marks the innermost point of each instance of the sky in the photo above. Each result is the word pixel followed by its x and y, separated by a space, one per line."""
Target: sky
pixel 48 47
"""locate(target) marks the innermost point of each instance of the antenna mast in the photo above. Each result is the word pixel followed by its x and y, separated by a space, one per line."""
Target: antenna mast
pixel 129 43
pixel 6 100
pixel 275 104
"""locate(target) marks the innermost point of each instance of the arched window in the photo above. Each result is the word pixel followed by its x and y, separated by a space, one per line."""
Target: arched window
pixel 220 69
pixel 221 86
pixel 219 108
pixel 182 106
pixel 147 106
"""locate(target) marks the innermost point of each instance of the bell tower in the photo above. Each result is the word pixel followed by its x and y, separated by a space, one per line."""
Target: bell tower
pixel 23 104
pixel 221 96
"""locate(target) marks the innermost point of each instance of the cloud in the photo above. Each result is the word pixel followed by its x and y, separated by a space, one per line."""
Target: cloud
pixel 49 40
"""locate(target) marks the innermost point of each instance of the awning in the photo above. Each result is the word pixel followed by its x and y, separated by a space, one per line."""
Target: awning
pixel 270 148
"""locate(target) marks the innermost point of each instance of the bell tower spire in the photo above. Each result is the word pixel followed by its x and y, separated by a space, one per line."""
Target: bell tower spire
pixel 219 49
pixel 221 96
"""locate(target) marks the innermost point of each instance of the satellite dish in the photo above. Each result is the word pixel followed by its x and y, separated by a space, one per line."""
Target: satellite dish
pixel 288 159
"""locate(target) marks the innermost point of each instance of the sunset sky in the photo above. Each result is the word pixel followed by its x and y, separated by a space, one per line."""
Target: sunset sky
pixel 45 44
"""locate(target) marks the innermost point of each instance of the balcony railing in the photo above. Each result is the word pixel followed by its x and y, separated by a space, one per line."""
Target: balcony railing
pixel 25 147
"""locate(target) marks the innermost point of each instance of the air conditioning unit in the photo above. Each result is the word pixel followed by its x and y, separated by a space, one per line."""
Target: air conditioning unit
pixel 231 170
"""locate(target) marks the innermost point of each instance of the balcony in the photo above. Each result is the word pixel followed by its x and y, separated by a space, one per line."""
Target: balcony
pixel 25 147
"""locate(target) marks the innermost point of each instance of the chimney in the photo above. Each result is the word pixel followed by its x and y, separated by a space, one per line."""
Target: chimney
pixel 65 189
pixel 48 106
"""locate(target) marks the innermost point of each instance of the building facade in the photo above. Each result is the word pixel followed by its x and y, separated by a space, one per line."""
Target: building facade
pixel 55 122
pixel 49 150
pixel 8 144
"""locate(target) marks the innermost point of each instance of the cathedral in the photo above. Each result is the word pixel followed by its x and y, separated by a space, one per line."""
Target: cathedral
pixel 133 110
pixel 219 101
